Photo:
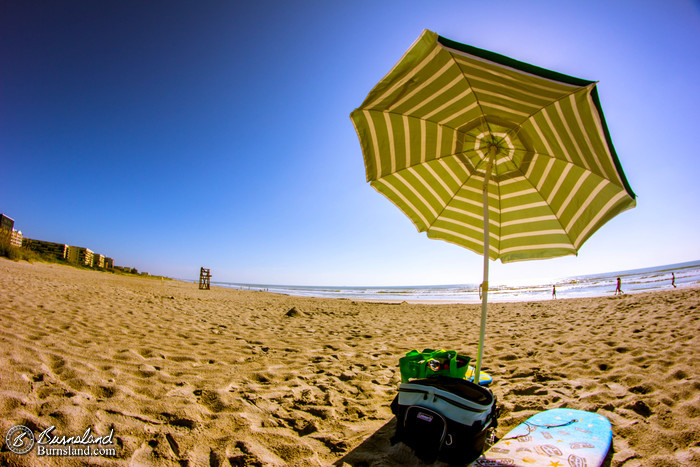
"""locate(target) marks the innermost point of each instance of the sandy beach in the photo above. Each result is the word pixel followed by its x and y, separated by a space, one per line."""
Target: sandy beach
pixel 189 377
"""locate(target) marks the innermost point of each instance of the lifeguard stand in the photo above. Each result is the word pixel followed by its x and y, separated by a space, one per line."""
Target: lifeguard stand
pixel 204 279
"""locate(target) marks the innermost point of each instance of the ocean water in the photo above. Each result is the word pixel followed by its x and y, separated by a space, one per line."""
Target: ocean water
pixel 593 285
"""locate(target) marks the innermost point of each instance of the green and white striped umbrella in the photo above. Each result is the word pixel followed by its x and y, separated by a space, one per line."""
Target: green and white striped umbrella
pixel 491 153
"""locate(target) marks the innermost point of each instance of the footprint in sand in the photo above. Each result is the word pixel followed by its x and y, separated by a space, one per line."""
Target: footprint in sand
pixel 210 399
pixel 174 420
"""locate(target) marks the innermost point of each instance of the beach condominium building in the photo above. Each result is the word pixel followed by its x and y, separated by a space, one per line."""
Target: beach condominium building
pixel 98 260
pixel 80 255
pixel 8 235
pixel 56 250
pixel 16 238
pixel 6 223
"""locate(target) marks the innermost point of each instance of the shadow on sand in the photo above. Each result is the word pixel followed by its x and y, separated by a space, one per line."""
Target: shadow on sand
pixel 377 450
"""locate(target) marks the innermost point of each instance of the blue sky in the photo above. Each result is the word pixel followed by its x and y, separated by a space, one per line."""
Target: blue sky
pixel 171 135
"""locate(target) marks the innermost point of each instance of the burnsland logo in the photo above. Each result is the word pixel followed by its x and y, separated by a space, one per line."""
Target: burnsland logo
pixel 20 440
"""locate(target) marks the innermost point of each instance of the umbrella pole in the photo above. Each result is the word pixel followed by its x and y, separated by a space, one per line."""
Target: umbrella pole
pixel 485 284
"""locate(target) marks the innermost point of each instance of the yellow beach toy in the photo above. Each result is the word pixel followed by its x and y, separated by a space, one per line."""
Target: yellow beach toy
pixel 484 378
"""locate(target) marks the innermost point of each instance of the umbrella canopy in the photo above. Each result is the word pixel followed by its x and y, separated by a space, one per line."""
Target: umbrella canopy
pixel 491 153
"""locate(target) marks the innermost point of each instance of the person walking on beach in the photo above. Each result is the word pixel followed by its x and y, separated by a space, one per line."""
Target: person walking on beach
pixel 554 292
pixel 618 290
pixel 673 279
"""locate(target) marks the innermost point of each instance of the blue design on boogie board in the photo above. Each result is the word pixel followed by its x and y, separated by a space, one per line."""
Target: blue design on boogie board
pixel 557 437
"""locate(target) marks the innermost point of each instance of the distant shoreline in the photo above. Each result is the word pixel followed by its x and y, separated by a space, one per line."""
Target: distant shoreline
pixel 398 301
pixel 588 286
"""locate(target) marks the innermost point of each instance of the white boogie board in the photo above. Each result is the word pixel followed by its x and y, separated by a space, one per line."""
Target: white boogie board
pixel 557 437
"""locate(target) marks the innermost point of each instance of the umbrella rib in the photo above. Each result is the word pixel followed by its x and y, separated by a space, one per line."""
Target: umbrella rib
pixel 551 154
pixel 471 87
pixel 537 189
pixel 438 214
pixel 454 195
pixel 571 89
pixel 517 128
pixel 485 120
pixel 420 162
pixel 490 130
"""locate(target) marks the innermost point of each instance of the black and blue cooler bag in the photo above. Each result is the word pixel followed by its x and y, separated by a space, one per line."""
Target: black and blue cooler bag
pixel 444 418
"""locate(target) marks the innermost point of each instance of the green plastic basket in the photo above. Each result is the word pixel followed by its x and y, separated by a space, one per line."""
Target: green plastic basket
pixel 429 362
